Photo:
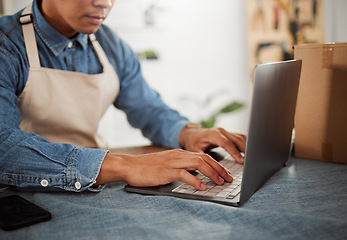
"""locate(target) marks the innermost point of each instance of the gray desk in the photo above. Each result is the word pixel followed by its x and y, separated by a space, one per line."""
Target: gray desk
pixel 305 200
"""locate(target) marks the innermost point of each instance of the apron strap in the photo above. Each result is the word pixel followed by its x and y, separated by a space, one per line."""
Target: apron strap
pixel 99 51
pixel 29 37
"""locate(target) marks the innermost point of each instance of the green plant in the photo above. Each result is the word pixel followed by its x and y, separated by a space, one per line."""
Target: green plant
pixel 148 54
pixel 210 121
pixel 231 107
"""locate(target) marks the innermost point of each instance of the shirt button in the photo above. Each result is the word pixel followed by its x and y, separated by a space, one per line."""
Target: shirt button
pixel 70 44
pixel 78 185
pixel 44 183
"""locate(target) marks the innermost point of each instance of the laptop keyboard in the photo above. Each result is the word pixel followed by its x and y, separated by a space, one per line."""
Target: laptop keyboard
pixel 227 190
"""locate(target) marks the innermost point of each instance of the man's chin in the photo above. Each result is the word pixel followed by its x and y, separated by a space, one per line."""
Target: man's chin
pixel 90 30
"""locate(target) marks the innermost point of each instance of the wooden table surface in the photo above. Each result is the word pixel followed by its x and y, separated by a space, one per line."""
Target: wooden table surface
pixel 138 149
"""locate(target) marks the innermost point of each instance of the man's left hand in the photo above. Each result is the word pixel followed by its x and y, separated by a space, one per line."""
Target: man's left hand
pixel 202 139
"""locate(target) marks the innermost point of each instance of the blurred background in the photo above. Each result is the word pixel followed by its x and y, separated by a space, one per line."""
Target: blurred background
pixel 200 54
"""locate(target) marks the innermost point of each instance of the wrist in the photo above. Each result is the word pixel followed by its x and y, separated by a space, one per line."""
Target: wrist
pixel 113 169
pixel 192 125
pixel 186 131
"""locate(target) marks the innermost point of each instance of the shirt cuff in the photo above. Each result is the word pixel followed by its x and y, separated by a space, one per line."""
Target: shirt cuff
pixel 83 169
pixel 174 133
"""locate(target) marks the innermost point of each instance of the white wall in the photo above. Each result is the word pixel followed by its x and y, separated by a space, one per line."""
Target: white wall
pixel 335 20
pixel 13 6
pixel 202 49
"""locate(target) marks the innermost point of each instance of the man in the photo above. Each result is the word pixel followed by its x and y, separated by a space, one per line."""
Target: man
pixel 56 80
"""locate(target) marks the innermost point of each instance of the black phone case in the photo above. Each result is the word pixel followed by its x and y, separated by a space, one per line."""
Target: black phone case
pixel 17 212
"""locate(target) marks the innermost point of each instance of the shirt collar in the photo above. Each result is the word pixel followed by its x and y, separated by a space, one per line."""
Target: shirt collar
pixel 54 40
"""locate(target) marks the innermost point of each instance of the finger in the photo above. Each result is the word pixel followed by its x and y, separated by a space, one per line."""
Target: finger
pixel 238 139
pixel 200 161
pixel 205 164
pixel 235 153
pixel 228 141
pixel 222 171
pixel 210 172
pixel 188 178
pixel 216 172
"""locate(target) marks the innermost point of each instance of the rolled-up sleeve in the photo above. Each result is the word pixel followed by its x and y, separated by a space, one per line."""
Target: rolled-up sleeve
pixel 35 164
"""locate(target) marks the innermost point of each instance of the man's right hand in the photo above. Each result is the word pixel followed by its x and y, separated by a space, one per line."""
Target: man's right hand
pixel 161 168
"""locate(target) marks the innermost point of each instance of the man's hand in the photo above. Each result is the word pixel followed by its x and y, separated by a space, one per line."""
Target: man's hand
pixel 160 168
pixel 200 140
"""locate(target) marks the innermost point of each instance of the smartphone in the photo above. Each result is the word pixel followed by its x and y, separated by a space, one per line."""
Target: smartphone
pixel 3 188
pixel 17 212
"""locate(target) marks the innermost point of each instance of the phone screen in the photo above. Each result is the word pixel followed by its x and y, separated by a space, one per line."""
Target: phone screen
pixel 17 212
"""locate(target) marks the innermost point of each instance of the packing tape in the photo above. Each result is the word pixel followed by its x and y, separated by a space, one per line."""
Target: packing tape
pixel 328 56
pixel 327 151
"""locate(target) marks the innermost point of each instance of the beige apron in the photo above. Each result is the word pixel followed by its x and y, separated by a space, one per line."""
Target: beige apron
pixel 64 106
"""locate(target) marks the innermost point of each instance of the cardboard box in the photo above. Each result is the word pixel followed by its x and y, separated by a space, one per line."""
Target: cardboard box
pixel 321 112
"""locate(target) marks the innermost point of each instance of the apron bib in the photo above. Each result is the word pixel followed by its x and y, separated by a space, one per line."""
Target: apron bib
pixel 64 106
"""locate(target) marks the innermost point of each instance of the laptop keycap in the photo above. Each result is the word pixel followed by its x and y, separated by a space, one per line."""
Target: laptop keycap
pixel 227 190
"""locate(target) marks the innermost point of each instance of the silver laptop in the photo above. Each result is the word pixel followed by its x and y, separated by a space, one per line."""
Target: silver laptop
pixel 268 141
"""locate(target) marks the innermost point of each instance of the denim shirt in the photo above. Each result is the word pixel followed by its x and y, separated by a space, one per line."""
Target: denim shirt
pixel 29 161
